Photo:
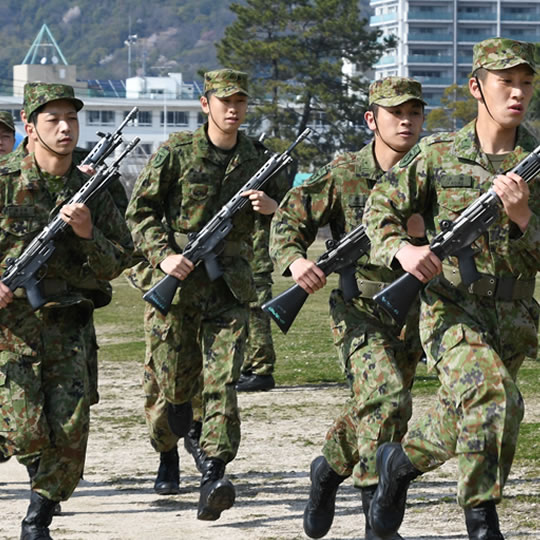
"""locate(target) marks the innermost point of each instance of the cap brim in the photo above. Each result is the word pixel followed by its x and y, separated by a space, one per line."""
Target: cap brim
pixel 395 101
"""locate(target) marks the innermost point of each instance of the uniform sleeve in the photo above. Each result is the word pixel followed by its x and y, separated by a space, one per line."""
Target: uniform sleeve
pixel 303 210
pixel 398 194
pixel 145 211
pixel 110 249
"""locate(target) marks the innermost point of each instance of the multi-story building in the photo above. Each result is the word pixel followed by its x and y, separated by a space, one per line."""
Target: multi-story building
pixel 435 38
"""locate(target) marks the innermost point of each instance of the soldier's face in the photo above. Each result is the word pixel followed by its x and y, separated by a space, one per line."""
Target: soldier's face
pixel 57 126
pixel 507 92
pixel 7 140
pixel 228 113
pixel 398 126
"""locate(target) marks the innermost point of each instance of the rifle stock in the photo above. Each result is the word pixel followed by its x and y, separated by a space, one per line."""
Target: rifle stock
pixel 285 306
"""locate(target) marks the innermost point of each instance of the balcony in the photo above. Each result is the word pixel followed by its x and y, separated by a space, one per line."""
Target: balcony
pixel 384 18
pixel 480 15
pixel 429 15
pixel 432 81
pixel 432 36
pixel 526 17
pixel 386 60
pixel 428 59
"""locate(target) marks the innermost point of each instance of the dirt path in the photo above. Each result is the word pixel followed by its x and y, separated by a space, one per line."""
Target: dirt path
pixel 282 432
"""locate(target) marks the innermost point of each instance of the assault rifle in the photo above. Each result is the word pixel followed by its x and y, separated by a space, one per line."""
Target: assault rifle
pixel 455 239
pixel 205 245
pixel 108 143
pixel 22 272
pixel 340 257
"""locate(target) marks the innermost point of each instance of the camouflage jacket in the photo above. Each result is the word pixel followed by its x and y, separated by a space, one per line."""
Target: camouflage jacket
pixel 29 199
pixel 182 188
pixel 439 178
pixel 336 196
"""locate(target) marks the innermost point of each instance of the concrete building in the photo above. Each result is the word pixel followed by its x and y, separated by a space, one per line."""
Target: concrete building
pixel 436 37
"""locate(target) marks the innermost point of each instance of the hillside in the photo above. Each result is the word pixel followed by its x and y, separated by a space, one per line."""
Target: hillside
pixel 172 35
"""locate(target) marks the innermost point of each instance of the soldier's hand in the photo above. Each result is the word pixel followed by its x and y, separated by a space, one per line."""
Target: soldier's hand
pixel 419 261
pixel 177 266
pixel 514 194
pixel 6 296
pixel 87 169
pixel 78 216
pixel 260 201
pixel 308 275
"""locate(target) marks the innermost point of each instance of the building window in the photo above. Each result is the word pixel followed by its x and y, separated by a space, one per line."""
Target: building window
pixel 201 118
pixel 143 119
pixel 175 118
pixel 143 150
pixel 100 118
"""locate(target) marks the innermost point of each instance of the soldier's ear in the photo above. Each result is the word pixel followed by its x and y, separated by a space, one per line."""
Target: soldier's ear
pixel 369 117
pixel 204 104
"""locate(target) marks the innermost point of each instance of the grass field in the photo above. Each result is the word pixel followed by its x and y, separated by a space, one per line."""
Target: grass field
pixel 305 355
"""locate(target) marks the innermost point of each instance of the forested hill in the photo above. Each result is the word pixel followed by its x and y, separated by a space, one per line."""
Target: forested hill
pixel 172 35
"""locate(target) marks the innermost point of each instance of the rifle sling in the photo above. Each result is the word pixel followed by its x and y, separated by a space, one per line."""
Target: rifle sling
pixel 506 289
pixel 231 248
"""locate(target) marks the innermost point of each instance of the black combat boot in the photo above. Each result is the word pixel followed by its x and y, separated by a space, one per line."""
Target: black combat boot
pixel 192 445
pixel 168 476
pixel 179 418
pixel 388 503
pixel 251 382
pixel 35 526
pixel 32 470
pixel 319 512
pixel 482 522
pixel 217 492
pixel 367 495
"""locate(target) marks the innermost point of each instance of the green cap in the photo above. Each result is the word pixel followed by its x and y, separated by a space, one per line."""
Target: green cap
pixel 503 53
pixel 392 91
pixel 37 94
pixel 6 118
pixel 226 82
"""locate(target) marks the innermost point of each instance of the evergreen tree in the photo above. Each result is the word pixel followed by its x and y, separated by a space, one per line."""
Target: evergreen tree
pixel 294 54
pixel 457 108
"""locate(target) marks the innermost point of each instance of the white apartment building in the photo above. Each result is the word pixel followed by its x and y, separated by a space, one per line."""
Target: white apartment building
pixel 436 37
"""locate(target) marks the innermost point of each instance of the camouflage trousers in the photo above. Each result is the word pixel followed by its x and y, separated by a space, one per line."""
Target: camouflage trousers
pixel 477 350
pixel 44 405
pixel 380 368
pixel 199 345
pixel 260 355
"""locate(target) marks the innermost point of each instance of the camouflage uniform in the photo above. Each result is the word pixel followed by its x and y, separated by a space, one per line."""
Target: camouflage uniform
pixel 185 183
pixel 44 384
pixel 6 118
pixel 475 338
pixel 378 362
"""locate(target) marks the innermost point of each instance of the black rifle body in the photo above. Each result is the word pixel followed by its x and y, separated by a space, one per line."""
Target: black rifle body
pixel 340 257
pixel 455 239
pixel 23 271
pixel 205 245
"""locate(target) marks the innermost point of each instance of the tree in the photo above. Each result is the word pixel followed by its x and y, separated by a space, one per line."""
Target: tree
pixel 458 108
pixel 294 53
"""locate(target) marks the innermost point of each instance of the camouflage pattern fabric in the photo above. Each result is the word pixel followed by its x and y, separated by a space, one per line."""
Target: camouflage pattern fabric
pixel 260 354
pixel 393 91
pixel 226 82
pixel 475 343
pixel 37 94
pixel 503 53
pixel 47 350
pixel 377 363
pixel 183 186
pixel 6 118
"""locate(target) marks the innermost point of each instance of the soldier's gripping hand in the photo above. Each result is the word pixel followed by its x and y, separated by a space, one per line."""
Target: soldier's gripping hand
pixel 260 201
pixel 6 296
pixel 79 218
pixel 514 194
pixel 177 266
pixel 308 275
pixel 419 261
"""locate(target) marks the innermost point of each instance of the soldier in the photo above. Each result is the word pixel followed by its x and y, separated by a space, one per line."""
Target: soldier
pixel 183 186
pixel 376 360
pixel 7 133
pixel 43 366
pixel 475 337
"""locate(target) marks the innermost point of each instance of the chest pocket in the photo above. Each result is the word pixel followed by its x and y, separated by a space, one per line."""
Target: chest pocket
pixel 196 204
pixel 454 194
pixel 21 220
pixel 356 205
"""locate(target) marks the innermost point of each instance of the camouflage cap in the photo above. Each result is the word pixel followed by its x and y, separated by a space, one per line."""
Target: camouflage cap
pixel 226 82
pixel 392 91
pixel 37 94
pixel 503 53
pixel 6 118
